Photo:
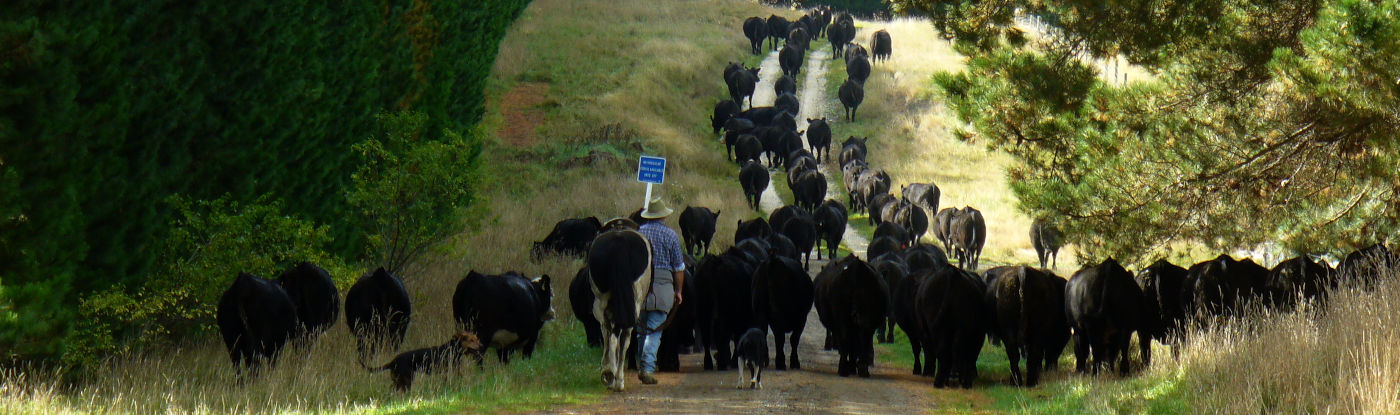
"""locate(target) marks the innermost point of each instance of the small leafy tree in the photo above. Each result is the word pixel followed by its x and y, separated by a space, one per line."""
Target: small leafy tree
pixel 413 186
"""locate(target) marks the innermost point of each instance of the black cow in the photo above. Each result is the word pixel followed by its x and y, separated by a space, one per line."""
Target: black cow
pixel 581 302
pixel 831 226
pixel 880 45
pixel 741 84
pixel 856 51
pixel 819 138
pixel 1298 278
pixel 840 34
pixel 733 130
pixel 802 230
pixel 893 270
pixel 787 102
pixel 760 116
pixel 811 185
pixel 781 245
pixel 799 38
pixel 1028 315
pixel 757 31
pixel 779 217
pixel 725 282
pixel 951 309
pixel 1368 265
pixel 852 302
pixel 1165 317
pixel 903 297
pixel 754 179
pixel 968 232
pixel 924 195
pixel 912 218
pixel 724 110
pixel 619 267
pixel 698 228
pixel 748 148
pixel 857 143
pixel 858 69
pixel 782 298
pixel 777 29
pixel 256 318
pixel 943 225
pixel 378 311
pixel 790 60
pixel 852 157
pixel 925 257
pixel 851 93
pixel 1104 306
pixel 317 301
pixel 1223 287
pixel 753 228
pixel 569 237
pixel 784 85
pixel 1047 241
pixel 892 230
pixel 876 201
pixel 505 310
pixel 883 245
pixel 873 190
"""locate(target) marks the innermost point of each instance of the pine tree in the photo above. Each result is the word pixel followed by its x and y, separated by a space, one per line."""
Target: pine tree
pixel 1263 121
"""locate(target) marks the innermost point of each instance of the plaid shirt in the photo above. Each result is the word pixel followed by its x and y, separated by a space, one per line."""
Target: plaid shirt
pixel 665 246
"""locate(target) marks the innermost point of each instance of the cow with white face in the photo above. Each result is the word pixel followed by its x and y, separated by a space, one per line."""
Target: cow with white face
pixel 506 311
pixel 619 266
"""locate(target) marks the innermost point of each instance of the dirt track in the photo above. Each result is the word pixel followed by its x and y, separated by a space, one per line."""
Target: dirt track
pixel 816 389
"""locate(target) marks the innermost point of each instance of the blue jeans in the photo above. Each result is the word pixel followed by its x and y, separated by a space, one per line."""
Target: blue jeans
pixel 650 340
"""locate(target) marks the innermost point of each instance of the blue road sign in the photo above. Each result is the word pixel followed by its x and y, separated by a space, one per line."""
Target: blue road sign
pixel 651 169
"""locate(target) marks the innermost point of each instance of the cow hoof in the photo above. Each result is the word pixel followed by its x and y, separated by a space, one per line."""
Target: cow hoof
pixel 780 366
pixel 863 372
pixel 795 365
pixel 608 378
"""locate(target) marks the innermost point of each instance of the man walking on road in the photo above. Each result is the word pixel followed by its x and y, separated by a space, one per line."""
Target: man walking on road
pixel 668 276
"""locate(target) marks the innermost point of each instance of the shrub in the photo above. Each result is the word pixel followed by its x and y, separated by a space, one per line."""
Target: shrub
pixel 209 243
pixel 412 187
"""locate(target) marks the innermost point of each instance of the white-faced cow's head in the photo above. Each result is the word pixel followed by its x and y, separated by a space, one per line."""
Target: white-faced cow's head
pixel 546 293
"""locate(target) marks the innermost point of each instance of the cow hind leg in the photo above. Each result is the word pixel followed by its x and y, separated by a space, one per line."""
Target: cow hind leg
pixel 1013 356
pixel 1034 355
pixel 778 349
pixel 914 351
pixel 795 364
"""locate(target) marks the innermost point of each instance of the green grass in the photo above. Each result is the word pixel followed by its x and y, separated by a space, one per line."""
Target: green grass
pixel 1060 392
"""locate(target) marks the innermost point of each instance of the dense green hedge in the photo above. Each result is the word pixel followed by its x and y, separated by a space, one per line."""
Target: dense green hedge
pixel 109 107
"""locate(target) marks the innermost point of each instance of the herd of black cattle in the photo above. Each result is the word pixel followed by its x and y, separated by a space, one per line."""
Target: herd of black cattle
pixel 762 280
pixel 258 317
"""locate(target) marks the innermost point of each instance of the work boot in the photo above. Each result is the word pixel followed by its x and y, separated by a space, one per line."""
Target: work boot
pixel 646 378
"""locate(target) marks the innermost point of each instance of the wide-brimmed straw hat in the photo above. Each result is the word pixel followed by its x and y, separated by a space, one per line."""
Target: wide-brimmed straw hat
pixel 656 210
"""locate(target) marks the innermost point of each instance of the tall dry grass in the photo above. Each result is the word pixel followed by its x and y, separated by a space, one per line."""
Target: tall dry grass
pixel 1341 358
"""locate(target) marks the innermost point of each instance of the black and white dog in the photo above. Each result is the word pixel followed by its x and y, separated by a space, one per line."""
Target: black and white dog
pixel 752 353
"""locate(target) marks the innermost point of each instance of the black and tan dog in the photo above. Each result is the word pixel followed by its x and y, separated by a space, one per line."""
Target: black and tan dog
pixel 431 359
